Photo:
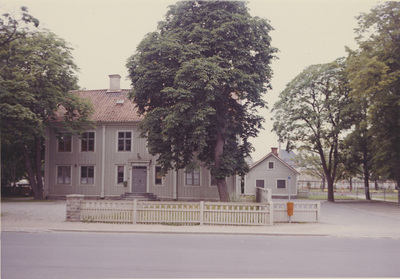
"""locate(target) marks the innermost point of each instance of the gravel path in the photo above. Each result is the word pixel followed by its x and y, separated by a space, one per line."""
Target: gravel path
pixel 32 211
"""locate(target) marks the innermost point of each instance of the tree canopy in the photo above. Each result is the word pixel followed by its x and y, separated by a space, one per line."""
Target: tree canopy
pixel 36 74
pixel 374 75
pixel 199 80
pixel 312 113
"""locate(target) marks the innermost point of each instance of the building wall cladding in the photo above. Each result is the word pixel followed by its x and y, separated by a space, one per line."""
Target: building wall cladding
pixel 105 177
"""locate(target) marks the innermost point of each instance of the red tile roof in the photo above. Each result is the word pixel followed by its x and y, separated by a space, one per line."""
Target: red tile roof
pixel 111 106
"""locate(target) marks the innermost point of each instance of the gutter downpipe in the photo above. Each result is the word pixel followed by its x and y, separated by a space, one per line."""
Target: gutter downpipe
pixel 103 160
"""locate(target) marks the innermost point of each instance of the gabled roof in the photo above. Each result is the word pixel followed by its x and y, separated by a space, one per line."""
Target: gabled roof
pixel 112 106
pixel 276 157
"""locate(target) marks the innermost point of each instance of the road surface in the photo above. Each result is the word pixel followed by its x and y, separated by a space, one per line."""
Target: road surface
pixel 133 255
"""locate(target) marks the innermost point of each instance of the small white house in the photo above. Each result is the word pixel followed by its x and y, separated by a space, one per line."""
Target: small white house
pixel 274 173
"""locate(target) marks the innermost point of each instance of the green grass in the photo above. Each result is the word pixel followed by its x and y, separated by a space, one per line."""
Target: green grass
pixel 324 197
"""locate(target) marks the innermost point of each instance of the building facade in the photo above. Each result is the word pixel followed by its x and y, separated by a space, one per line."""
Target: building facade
pixel 112 159
pixel 274 173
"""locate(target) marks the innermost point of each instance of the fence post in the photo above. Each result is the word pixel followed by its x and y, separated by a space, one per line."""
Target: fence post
pixel 269 195
pixel 201 213
pixel 74 207
pixel 271 212
pixel 134 212
pixel 318 211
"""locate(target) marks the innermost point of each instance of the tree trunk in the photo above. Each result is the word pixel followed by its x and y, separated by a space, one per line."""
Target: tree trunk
pixel 351 184
pixel 39 180
pixel 397 178
pixel 366 184
pixel 331 194
pixel 37 186
pixel 221 183
pixel 223 190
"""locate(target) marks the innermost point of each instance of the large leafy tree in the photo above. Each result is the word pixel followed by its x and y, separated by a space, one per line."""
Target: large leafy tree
pixel 36 74
pixel 312 113
pixel 14 27
pixel 356 155
pixel 374 74
pixel 199 80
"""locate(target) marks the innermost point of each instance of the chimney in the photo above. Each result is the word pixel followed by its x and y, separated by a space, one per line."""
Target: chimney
pixel 115 83
pixel 274 151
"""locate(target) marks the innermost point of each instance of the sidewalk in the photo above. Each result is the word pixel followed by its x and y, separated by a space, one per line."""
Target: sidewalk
pixel 339 219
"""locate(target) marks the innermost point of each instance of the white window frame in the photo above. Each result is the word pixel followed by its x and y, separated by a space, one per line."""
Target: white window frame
pixel 116 172
pixel 58 143
pixel 70 175
pixel 94 146
pixel 117 140
pixel 80 175
pixel 155 177
pixel 283 179
pixel 211 179
pixel 273 167
pixel 192 185
pixel 261 179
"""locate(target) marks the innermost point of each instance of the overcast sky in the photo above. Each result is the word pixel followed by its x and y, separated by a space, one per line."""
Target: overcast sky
pixel 104 34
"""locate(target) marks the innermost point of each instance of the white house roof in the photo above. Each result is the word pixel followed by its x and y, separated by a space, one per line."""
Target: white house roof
pixel 271 154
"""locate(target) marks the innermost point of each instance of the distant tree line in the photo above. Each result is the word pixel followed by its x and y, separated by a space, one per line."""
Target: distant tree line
pixel 346 114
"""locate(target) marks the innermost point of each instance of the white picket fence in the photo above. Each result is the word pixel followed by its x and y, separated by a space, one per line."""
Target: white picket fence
pixel 185 213
pixel 304 212
pixel 195 213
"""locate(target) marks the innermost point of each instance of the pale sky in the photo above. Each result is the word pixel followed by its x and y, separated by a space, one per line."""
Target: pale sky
pixel 105 33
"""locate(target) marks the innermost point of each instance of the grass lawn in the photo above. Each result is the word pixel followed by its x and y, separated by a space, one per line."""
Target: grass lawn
pixel 324 197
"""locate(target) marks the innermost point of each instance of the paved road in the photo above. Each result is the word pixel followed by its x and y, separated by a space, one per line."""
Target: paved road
pixel 133 255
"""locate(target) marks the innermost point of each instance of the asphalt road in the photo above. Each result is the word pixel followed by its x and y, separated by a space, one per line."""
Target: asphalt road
pixel 134 255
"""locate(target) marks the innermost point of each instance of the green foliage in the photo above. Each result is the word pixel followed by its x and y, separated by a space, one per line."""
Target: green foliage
pixel 36 74
pixel 312 112
pixel 12 28
pixel 374 74
pixel 310 163
pixel 199 80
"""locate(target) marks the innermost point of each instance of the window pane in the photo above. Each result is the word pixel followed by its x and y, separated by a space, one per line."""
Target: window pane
pixel 120 175
pixel 271 165
pixel 260 183
pixel 63 175
pixel 281 184
pixel 120 145
pixel 128 145
pixel 158 177
pixel 87 175
pixel 193 177
pixel 91 172
pixel 64 143
pixel 87 141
